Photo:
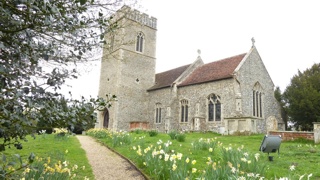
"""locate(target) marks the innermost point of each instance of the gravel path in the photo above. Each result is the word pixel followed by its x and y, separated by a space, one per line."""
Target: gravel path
pixel 107 164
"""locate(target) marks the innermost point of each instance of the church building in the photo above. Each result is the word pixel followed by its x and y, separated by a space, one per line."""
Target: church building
pixel 234 94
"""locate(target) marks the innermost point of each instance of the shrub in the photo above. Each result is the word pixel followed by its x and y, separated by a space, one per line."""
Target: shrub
pixel 77 129
pixel 173 134
pixel 181 137
pixel 153 133
pixel 138 131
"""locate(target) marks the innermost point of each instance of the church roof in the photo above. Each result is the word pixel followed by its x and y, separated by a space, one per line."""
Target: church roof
pixel 213 71
pixel 166 79
pixel 217 70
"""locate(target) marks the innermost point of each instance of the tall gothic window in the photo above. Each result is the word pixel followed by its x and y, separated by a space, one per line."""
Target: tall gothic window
pixel 140 39
pixel 184 110
pixel 158 113
pixel 214 108
pixel 257 101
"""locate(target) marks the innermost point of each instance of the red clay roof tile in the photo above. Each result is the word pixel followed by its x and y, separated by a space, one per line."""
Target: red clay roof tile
pixel 213 71
pixel 165 79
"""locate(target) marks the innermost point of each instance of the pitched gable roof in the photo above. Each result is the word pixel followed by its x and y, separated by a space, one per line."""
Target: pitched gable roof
pixel 213 71
pixel 165 79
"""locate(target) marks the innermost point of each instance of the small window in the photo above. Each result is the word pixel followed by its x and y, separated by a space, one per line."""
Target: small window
pixel 214 108
pixel 184 110
pixel 140 39
pixel 158 113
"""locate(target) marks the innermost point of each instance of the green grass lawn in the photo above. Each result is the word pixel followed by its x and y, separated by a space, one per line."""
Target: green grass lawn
pixel 58 148
pixel 303 157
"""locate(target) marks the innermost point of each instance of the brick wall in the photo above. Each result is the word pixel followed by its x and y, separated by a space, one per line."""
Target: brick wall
pixel 139 125
pixel 292 135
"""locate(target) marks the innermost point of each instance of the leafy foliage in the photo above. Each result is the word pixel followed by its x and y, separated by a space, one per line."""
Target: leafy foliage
pixel 302 98
pixel 279 97
pixel 40 44
pixel 153 133
pixel 180 137
pixel 173 134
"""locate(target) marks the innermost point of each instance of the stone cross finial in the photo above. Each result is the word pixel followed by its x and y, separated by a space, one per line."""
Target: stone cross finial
pixel 199 52
pixel 253 41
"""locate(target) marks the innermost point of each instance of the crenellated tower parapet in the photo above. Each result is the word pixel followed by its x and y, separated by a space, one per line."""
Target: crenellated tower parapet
pixel 137 16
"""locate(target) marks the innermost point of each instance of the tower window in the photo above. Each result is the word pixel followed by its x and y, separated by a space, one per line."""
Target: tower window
pixel 140 39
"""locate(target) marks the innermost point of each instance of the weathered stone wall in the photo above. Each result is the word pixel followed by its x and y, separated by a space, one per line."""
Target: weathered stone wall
pixel 167 98
pixel 198 94
pixel 242 124
pixel 197 99
pixel 252 71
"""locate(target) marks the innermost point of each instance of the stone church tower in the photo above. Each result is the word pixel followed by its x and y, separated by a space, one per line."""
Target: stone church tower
pixel 128 68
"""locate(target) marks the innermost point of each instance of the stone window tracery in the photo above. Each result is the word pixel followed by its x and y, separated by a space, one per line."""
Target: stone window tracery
pixel 184 110
pixel 257 101
pixel 214 108
pixel 140 41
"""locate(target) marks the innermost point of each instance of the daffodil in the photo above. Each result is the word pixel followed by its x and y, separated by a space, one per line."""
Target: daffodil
pixel 174 167
pixel 27 170
pixel 257 155
pixel 166 157
pixel 194 170
pixel 292 168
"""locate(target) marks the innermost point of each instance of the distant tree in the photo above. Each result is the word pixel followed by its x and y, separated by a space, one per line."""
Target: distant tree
pixel 279 97
pixel 302 98
pixel 39 41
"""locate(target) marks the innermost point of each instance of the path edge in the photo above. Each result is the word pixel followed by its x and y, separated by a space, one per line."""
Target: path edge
pixel 123 157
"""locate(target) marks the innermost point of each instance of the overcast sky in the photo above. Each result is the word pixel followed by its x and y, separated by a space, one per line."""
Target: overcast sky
pixel 286 33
